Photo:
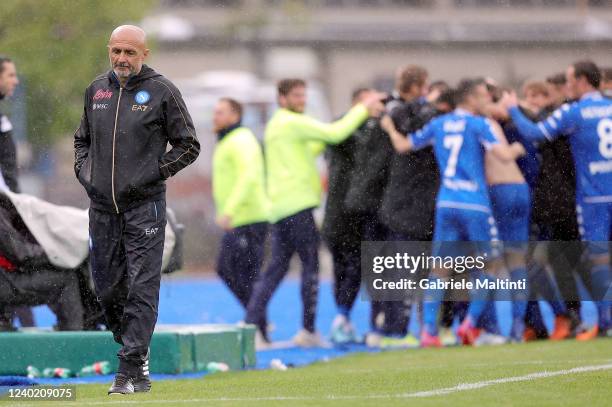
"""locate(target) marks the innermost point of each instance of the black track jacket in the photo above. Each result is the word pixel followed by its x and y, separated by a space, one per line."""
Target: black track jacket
pixel 120 146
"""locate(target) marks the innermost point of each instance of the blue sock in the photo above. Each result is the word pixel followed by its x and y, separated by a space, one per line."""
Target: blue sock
pixel 431 306
pixel 600 279
pixel 548 290
pixel 519 297
pixel 488 319
pixel 478 297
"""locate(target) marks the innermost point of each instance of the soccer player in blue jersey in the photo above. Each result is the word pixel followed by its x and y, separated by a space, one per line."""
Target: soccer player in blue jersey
pixel 463 208
pixel 588 125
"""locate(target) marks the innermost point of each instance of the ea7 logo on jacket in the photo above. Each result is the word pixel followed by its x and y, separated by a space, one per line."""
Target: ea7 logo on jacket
pixel 151 231
pixel 103 94
pixel 139 108
pixel 100 106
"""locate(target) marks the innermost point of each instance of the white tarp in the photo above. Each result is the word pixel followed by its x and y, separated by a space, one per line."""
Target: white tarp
pixel 63 231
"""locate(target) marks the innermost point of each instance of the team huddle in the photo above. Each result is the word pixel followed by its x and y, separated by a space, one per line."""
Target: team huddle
pixel 429 163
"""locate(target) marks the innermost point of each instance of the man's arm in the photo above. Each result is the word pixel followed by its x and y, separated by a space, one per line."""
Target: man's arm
pixel 402 115
pixel 82 139
pixel 8 160
pixel 559 123
pixel 181 135
pixel 404 144
pixel 401 143
pixel 331 133
pixel 494 140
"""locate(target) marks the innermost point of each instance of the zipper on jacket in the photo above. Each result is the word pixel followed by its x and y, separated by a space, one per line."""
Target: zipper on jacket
pixel 113 166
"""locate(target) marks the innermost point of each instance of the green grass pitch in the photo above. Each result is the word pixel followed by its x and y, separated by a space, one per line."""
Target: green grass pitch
pixel 547 373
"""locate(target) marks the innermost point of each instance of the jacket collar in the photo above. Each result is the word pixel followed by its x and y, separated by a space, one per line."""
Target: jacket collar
pixel 134 80
pixel 224 132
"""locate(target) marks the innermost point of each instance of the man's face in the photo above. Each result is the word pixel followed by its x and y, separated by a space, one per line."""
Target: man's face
pixel 572 84
pixel 557 93
pixel 416 90
pixel 223 116
pixel 481 98
pixel 295 100
pixel 8 79
pixel 536 100
pixel 126 56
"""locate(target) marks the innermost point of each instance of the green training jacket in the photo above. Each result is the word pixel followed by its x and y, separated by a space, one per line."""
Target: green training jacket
pixel 238 178
pixel 292 142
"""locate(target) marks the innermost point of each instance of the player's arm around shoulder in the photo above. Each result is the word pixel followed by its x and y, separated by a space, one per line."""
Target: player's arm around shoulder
pixel 401 143
pixel 308 128
pixel 494 140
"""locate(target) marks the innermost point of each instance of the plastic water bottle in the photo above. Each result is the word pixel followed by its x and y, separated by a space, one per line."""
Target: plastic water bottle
pixel 277 364
pixel 98 368
pixel 33 372
pixel 214 367
pixel 60 372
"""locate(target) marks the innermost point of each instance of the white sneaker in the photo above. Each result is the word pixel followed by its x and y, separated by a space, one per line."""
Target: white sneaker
pixel 305 339
pixel 486 338
pixel 342 331
pixel 373 340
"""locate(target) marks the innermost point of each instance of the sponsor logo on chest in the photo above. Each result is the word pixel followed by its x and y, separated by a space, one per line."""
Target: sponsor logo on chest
pixel 102 94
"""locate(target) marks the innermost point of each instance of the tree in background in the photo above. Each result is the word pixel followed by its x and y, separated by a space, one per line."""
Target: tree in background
pixel 59 46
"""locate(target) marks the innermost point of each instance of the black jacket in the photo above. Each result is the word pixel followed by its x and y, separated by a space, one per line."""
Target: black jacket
pixel 120 146
pixel 409 200
pixel 340 225
pixel 554 195
pixel 373 152
pixel 8 154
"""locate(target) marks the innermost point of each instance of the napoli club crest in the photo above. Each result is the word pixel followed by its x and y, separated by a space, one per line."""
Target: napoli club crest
pixel 142 97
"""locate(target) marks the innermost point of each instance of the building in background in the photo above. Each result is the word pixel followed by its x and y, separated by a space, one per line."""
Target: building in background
pixel 239 48
pixel 346 43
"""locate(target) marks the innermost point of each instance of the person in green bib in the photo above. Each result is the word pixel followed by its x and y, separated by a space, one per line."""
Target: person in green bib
pixel 292 142
pixel 240 200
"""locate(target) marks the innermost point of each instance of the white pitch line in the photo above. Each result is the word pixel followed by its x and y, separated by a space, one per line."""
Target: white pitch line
pixel 486 383
pixel 419 394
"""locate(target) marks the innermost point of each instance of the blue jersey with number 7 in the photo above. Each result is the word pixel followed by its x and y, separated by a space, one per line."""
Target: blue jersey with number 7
pixel 459 139
pixel 588 124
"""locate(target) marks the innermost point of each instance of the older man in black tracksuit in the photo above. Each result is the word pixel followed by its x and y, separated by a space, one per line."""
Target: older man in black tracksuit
pixel 131 114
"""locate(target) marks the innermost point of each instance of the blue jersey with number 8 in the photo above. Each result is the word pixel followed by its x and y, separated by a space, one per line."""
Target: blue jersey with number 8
pixel 459 139
pixel 588 124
